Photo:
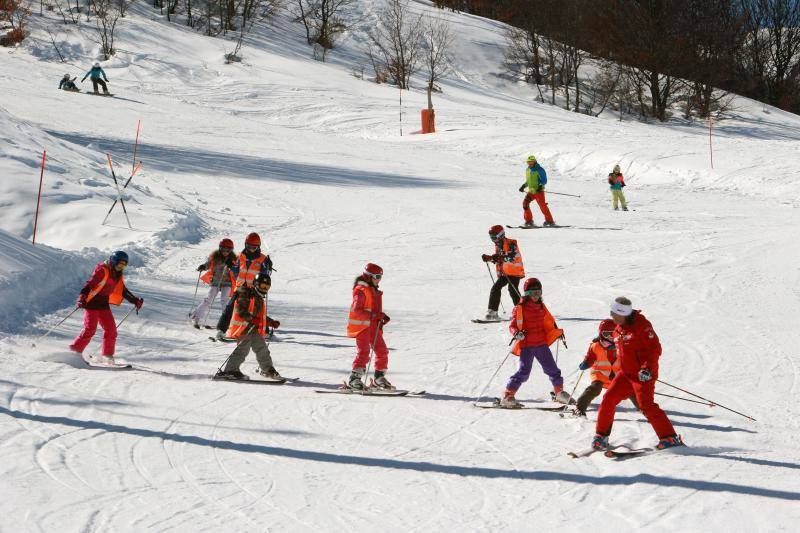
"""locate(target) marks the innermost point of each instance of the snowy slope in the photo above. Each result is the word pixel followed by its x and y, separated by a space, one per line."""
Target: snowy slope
pixel 311 158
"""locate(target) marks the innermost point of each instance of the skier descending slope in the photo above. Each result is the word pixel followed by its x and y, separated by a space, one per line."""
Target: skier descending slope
pixel 365 323
pixel 248 327
pixel 510 270
pixel 602 358
pixel 106 286
pixel 220 275
pixel 534 329
pixel 638 349
pixel 250 263
pixel 535 180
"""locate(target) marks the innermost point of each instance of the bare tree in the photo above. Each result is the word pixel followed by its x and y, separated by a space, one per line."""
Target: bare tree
pixel 395 42
pixel 437 40
pixel 323 20
pixel 15 13
pixel 106 17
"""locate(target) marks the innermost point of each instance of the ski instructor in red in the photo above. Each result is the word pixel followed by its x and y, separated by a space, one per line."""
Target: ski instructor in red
pixel 638 350
pixel 365 323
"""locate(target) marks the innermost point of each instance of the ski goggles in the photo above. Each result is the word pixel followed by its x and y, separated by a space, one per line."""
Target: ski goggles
pixel 225 249
pixel 376 277
pixel 251 247
pixel 534 292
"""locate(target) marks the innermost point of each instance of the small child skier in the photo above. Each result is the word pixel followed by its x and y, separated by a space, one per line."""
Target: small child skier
pixel 617 181
pixel 365 323
pixel 220 276
pixel 534 329
pixel 68 84
pixel 535 180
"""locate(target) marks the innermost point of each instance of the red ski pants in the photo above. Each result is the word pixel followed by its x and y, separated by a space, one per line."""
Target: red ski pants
pixel 526 206
pixel 363 349
pixel 623 387
pixel 90 319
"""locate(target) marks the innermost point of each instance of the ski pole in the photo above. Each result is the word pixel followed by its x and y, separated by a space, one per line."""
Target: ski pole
pixel 557 347
pixel 132 309
pixel 564 194
pixel 119 191
pixel 491 276
pixel 685 399
pixel 706 399
pixel 49 331
pixel 372 349
pixel 194 298
pixel 493 375
pixel 219 288
pixel 571 394
pixel 238 342
pixel 133 173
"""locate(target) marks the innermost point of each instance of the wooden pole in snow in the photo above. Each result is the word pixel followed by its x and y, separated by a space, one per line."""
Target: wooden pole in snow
pixel 710 148
pixel 39 197
pixel 401 109
pixel 135 146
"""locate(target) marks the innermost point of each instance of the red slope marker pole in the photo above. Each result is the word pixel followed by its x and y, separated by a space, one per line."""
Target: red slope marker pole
pixel 39 197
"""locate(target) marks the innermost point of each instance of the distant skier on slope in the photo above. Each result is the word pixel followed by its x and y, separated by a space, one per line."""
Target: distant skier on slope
pixel 249 326
pixel 249 263
pixel 534 330
pixel 106 286
pixel 68 84
pixel 617 181
pixel 220 276
pixel 535 180
pixel 365 323
pixel 638 349
pixel 97 75
pixel 510 270
pixel 602 358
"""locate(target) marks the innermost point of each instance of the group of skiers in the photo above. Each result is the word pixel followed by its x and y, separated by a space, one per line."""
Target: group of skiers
pixel 623 358
pixel 96 74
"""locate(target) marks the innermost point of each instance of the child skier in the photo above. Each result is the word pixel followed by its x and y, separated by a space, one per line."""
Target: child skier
pixel 250 263
pixel 638 350
pixel 96 73
pixel 510 270
pixel 220 276
pixel 365 323
pixel 535 180
pixel 534 329
pixel 602 359
pixel 617 181
pixel 248 327
pixel 106 286
pixel 68 84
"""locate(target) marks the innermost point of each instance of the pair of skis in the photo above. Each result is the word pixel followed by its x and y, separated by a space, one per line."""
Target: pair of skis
pixel 619 453
pixel 534 226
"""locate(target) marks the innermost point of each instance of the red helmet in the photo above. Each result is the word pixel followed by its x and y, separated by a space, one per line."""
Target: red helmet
pixel 226 243
pixel 497 232
pixel 373 270
pixel 253 239
pixel 532 284
pixel 606 329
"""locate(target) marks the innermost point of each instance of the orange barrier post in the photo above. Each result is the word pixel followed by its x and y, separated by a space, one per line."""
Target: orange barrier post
pixel 428 121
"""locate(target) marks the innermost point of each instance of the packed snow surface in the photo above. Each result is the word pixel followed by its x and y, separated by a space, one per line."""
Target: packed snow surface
pixel 312 158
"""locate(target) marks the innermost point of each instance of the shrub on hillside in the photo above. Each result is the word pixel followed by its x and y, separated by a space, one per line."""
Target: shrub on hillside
pixel 13 12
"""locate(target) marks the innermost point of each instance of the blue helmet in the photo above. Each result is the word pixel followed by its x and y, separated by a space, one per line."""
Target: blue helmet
pixel 118 257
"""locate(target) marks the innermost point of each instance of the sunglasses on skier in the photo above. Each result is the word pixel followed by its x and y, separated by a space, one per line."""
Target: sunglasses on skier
pixel 251 247
pixel 225 249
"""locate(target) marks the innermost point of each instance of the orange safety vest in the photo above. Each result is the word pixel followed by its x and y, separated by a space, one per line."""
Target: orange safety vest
pixel 239 325
pixel 603 367
pixel 209 274
pixel 514 268
pixel 116 296
pixel 360 320
pixel 552 333
pixel 248 274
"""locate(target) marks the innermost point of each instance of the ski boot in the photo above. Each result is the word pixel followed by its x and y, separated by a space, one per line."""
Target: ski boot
pixel 355 381
pixel 230 374
pixel 548 224
pixel 270 373
pixel 559 395
pixel 578 413
pixel 509 401
pixel 528 224
pixel 624 208
pixel 105 360
pixel 491 314
pixel 616 209
pixel 220 335
pixel 670 442
pixel 381 382
pixel 599 442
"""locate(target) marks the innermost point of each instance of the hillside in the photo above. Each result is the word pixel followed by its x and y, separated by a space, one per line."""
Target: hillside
pixel 311 158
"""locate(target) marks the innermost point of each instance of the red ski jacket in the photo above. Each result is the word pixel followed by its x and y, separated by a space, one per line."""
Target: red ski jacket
pixel 637 346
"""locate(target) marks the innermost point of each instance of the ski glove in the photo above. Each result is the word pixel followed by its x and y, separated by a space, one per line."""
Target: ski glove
pixel 139 302
pixel 584 365
pixel 486 258
pixel 518 336
pixel 522 188
pixel 81 303
pixel 644 375
pixel 385 319
pixel 275 324
pixel 202 267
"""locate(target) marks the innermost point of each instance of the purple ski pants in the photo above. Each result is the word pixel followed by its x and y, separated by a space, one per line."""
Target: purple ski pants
pixel 545 357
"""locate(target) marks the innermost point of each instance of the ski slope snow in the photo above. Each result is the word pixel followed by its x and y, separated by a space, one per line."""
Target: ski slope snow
pixel 311 157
